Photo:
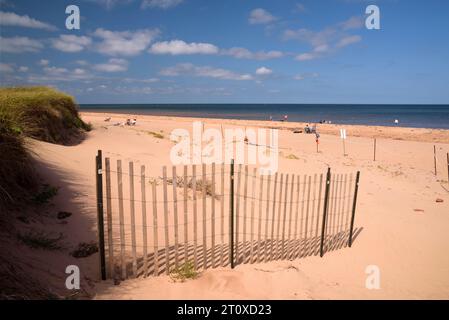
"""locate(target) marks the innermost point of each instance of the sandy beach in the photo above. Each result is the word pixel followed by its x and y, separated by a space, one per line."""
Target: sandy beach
pixel 404 227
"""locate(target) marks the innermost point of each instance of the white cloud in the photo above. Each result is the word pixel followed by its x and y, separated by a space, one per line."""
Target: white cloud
pixel 53 74
pixel 6 68
pixel 347 41
pixel 314 38
pixel 326 41
pixel 133 80
pixel 178 47
pixel 260 16
pixel 163 4
pixel 204 71
pixel 71 43
pixel 243 53
pixel 305 76
pixel 55 70
pixel 43 62
pixel 306 56
pixel 82 62
pixel 126 43
pixel 263 71
pixel 355 22
pixel 23 69
pixel 19 45
pixel 109 4
pixel 14 20
pixel 321 48
pixel 113 65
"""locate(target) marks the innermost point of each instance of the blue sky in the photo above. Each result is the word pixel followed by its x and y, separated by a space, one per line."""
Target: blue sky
pixel 207 51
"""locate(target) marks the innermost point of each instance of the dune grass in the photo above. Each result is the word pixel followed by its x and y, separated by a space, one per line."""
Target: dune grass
pixel 41 113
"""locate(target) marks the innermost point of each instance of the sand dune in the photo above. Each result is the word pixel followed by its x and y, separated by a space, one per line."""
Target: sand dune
pixel 404 228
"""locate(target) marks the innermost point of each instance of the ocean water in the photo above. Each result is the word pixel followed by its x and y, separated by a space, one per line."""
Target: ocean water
pixel 418 116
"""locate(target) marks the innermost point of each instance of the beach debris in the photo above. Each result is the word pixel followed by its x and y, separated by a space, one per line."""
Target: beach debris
pixel 63 214
pixel 184 272
pixel 198 186
pixel 155 134
pixel 107 119
pixel 419 210
pixel 439 200
pixel 41 240
pixel 292 157
pixel 85 249
pixel 297 131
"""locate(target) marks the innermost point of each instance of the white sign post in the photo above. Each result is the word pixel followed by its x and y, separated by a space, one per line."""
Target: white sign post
pixel 343 138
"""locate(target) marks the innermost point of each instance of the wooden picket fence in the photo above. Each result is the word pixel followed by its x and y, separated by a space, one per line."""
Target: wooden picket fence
pixel 216 215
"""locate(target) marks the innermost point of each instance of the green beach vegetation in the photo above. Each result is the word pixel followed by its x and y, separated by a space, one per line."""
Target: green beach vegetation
pixel 40 113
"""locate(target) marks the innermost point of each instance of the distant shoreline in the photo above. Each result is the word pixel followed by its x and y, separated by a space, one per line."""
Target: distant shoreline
pixel 409 116
pixel 379 132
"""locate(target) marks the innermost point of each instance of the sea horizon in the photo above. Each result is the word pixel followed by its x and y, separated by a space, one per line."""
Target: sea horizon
pixel 431 116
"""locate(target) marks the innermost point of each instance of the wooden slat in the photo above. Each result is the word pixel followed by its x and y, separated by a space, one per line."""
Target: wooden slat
pixel 278 224
pixel 301 224
pixel 273 215
pixel 204 195
pixel 287 254
pixel 167 252
pixel 267 218
pixel 121 219
pixel 245 201
pixel 259 228
pixel 222 200
pixel 334 208
pixel 253 194
pixel 332 215
pixel 340 202
pixel 144 220
pixel 274 255
pixel 155 232
pixel 133 217
pixel 318 214
pixel 313 214
pixel 284 218
pixel 345 180
pixel 296 241
pixel 329 214
pixel 306 222
pixel 212 222
pixel 336 212
pixel 195 219
pixel 109 219
pixel 186 224
pixel 237 211
pixel 175 214
pixel 350 198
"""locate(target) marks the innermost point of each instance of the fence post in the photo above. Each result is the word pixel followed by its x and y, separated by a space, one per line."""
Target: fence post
pixel 100 221
pixel 326 201
pixel 353 207
pixel 231 216
pixel 374 149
